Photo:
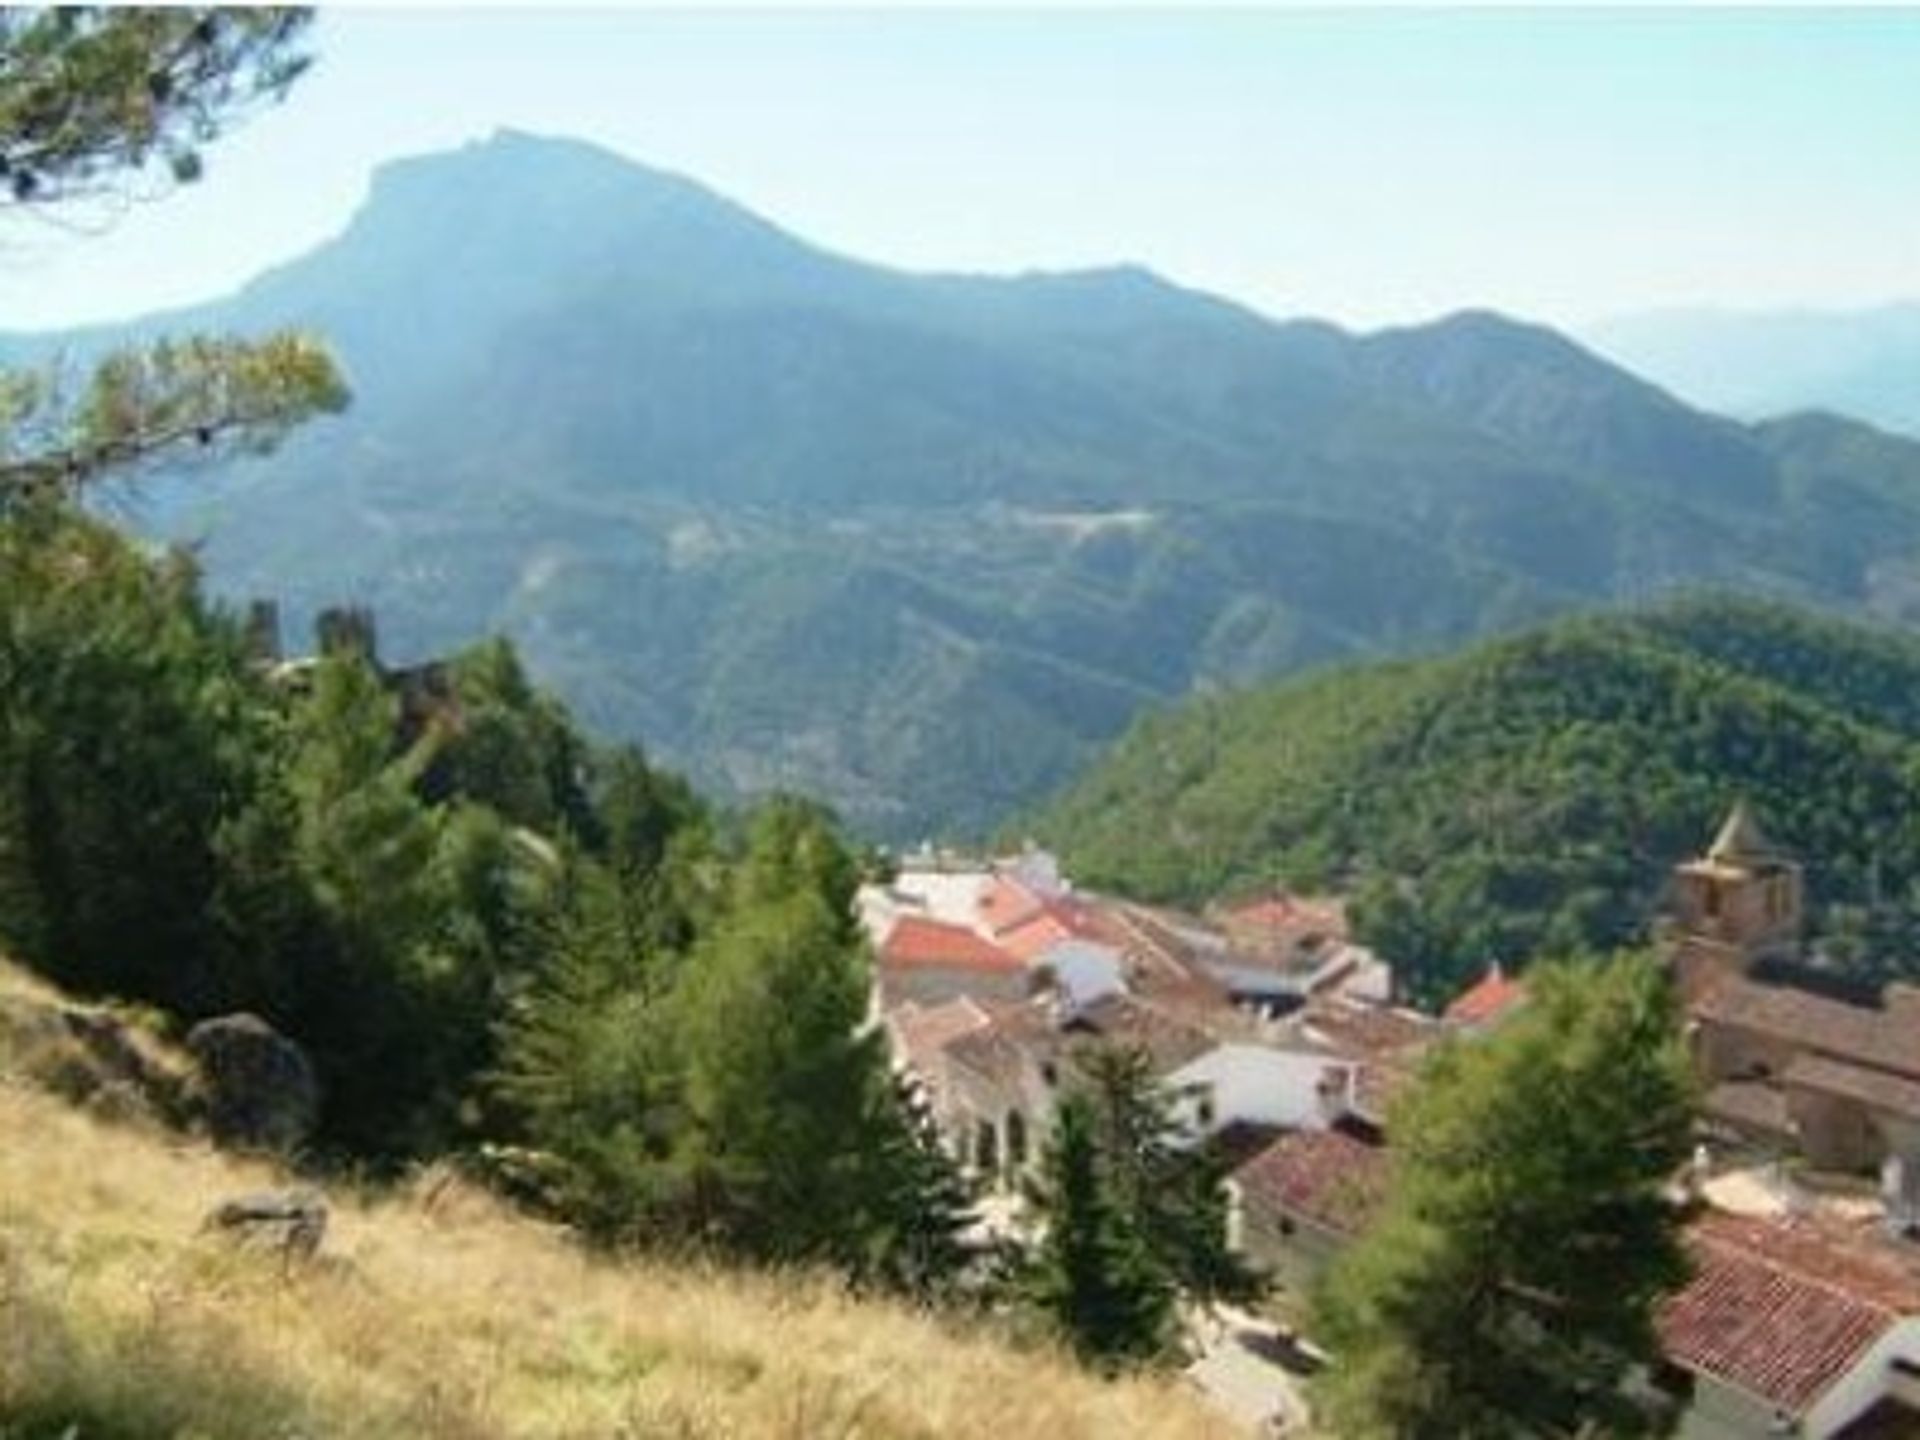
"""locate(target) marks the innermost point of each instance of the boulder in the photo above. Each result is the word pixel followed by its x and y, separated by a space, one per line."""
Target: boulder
pixel 258 1089
pixel 293 1222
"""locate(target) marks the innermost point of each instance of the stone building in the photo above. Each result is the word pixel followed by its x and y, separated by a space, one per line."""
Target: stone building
pixel 1797 1071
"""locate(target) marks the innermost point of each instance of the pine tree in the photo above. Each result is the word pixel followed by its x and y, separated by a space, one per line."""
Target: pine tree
pixel 916 1210
pixel 1173 1189
pixel 1094 1275
pixel 130 733
pixel 1508 1288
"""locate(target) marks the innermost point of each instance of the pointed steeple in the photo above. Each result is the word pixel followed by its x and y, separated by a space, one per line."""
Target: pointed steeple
pixel 1741 841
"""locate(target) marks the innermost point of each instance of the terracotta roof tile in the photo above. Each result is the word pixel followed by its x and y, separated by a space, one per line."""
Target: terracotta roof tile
pixel 1005 903
pixel 1782 1309
pixel 1327 1177
pixel 914 941
pixel 1054 919
pixel 1490 997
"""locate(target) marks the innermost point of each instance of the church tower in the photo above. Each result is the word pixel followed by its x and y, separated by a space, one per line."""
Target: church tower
pixel 1739 904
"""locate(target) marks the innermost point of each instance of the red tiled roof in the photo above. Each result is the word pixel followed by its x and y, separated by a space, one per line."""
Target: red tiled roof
pixel 914 941
pixel 1051 921
pixel 1782 1309
pixel 1005 903
pixel 1326 1177
pixel 1490 997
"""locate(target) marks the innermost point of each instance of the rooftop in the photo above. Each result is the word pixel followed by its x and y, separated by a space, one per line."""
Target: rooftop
pixel 1326 1177
pixel 1741 842
pixel 916 941
pixel 922 1032
pixel 1488 998
pixel 1864 1035
pixel 1783 1308
pixel 1873 1088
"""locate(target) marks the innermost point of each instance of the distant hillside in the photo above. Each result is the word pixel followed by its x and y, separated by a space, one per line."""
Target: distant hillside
pixel 1863 362
pixel 921 544
pixel 1529 794
pixel 435 1314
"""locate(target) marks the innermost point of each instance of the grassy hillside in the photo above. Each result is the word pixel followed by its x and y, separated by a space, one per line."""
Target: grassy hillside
pixel 1531 793
pixel 434 1313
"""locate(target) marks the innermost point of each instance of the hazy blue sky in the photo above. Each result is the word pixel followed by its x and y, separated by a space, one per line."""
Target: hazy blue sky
pixel 1369 166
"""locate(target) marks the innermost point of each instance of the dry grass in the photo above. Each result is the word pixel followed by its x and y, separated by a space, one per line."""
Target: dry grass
pixel 437 1314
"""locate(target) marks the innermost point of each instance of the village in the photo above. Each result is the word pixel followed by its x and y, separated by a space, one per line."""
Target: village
pixel 1284 1043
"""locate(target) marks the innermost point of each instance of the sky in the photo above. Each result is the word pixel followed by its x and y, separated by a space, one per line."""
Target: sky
pixel 1368 166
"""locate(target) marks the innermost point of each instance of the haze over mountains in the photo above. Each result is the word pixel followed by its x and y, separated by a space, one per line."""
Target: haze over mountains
pixel 1864 363
pixel 920 544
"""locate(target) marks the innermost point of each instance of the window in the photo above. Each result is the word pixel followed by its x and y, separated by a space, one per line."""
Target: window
pixel 986 1148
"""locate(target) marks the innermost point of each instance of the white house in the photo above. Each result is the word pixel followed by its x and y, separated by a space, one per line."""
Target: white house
pixel 1271 1087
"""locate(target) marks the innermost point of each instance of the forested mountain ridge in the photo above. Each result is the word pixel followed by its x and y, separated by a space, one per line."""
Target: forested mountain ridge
pixel 921 544
pixel 1529 795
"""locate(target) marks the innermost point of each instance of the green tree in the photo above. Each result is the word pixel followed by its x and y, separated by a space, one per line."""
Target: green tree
pixel 779 1078
pixel 131 736
pixel 1093 1275
pixel 917 1210
pixel 366 847
pixel 1508 1287
pixel 656 841
pixel 1172 1190
pixel 90 93
pixel 89 96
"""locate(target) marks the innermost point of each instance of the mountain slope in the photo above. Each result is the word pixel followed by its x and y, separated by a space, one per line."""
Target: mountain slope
pixel 922 544
pixel 1530 793
pixel 124 1317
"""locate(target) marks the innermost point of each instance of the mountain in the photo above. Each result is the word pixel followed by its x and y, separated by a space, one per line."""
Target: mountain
pixel 1531 793
pixel 921 544
pixel 1862 362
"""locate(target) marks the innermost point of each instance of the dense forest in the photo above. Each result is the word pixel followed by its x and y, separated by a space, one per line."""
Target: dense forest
pixel 492 936
pixel 1528 796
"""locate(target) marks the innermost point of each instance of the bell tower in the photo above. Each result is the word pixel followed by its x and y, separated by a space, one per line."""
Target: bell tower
pixel 1740 903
